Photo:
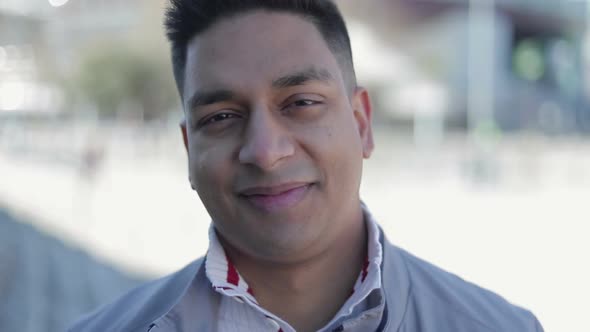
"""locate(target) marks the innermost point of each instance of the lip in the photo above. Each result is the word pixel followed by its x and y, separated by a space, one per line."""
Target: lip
pixel 272 190
pixel 275 198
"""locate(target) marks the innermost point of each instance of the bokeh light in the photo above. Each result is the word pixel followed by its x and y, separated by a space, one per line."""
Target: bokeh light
pixel 58 3
pixel 528 60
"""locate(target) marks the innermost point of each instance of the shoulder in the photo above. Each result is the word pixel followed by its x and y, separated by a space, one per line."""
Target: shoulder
pixel 438 297
pixel 138 308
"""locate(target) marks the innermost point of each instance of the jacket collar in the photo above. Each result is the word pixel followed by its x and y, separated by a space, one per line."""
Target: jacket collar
pixel 170 292
pixel 396 284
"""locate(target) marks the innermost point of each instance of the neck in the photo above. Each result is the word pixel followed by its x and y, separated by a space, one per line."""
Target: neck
pixel 307 294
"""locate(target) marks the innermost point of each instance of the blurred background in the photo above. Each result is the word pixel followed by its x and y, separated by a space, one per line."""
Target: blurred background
pixel 482 164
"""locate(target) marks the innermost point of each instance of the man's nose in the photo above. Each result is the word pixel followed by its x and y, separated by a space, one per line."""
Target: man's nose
pixel 266 141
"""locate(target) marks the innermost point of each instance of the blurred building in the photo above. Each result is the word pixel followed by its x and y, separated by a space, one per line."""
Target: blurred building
pixel 524 60
pixel 21 48
pixel 41 42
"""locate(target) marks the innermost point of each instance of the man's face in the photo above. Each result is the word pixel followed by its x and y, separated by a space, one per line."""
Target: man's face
pixel 275 139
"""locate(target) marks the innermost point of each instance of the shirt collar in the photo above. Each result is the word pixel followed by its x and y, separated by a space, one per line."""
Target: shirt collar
pixel 222 273
pixel 227 280
pixel 370 276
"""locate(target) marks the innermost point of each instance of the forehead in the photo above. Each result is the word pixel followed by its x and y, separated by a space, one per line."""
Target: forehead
pixel 250 50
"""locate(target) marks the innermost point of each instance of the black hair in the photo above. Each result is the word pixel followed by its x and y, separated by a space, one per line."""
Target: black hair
pixel 188 18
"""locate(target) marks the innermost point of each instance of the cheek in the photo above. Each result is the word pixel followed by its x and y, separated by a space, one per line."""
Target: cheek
pixel 337 140
pixel 210 167
pixel 339 154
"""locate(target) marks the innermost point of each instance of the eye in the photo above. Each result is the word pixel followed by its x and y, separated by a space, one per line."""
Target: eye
pixel 217 118
pixel 302 103
pixel 304 106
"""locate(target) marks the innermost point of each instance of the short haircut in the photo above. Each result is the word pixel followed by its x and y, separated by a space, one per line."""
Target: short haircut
pixel 188 18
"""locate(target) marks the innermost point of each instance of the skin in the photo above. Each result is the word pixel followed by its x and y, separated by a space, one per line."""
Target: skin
pixel 276 142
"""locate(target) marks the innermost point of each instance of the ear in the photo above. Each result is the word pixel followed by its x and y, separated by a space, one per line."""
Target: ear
pixel 184 134
pixel 363 113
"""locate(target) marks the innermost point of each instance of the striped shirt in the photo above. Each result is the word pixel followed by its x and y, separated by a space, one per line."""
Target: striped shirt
pixel 239 310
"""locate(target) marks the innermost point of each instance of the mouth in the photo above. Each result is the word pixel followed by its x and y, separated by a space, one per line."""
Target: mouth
pixel 276 198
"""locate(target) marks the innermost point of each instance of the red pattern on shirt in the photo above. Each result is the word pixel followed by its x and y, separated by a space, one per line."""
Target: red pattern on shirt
pixel 232 274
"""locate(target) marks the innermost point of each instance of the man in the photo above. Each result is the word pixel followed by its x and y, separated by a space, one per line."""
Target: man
pixel 276 130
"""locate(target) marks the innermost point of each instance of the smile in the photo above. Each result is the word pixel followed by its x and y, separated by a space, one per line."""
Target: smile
pixel 274 199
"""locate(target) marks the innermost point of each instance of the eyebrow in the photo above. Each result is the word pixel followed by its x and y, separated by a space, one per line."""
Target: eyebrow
pixel 204 98
pixel 302 77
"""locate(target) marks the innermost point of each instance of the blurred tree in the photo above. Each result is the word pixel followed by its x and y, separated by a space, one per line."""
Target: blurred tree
pixel 124 82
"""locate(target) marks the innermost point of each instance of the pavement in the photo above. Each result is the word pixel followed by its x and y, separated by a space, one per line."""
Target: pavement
pixel 46 285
